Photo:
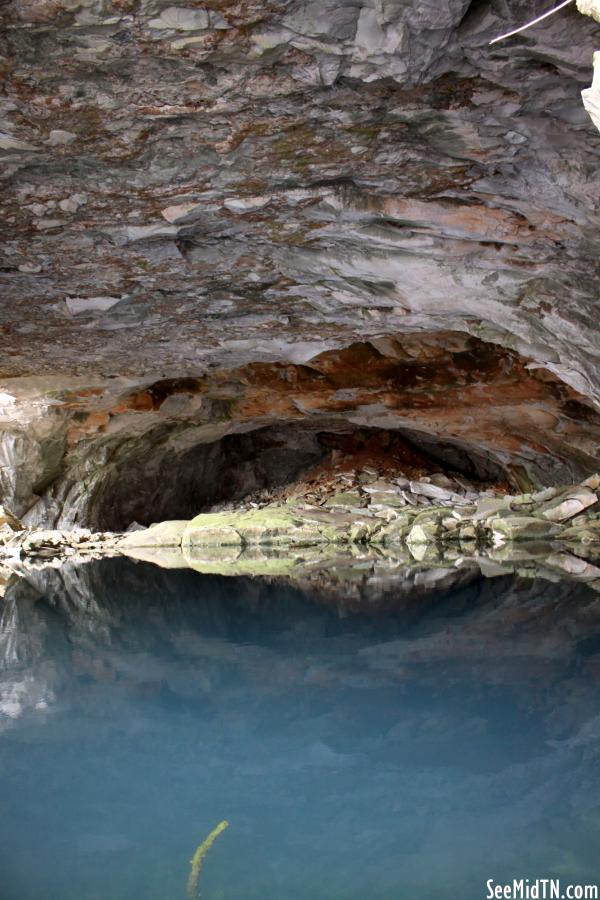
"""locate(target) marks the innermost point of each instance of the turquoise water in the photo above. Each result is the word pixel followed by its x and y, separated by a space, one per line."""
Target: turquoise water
pixel 412 749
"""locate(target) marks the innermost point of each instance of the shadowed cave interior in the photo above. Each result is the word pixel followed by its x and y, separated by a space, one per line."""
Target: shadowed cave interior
pixel 409 405
pixel 233 469
pixel 415 404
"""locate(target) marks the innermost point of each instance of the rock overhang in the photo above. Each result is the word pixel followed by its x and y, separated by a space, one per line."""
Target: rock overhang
pixel 203 188
pixel 464 403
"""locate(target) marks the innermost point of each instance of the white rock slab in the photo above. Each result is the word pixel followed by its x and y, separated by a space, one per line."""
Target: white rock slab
pixel 78 305
pixel 179 18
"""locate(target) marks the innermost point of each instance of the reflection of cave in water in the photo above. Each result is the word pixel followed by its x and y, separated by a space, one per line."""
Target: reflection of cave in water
pixel 411 750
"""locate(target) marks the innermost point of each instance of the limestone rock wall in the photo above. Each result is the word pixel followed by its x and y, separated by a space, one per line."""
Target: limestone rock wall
pixel 117 453
pixel 192 190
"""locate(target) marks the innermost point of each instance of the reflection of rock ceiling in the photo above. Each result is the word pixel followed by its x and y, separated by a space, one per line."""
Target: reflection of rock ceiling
pixel 128 624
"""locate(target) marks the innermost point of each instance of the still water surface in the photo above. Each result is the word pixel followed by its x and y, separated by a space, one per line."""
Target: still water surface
pixel 413 749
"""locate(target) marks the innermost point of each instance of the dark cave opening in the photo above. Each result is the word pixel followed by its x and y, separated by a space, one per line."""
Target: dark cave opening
pixel 152 483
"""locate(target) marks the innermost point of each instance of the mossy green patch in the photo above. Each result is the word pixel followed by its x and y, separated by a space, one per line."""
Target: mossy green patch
pixel 271 525
pixel 349 499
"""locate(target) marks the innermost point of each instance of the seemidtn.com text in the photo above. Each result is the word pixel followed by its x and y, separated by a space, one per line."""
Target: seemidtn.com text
pixel 540 889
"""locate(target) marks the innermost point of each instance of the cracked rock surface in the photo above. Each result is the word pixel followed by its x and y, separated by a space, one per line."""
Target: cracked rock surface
pixel 193 192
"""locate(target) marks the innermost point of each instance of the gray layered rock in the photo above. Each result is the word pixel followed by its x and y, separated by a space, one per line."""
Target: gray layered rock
pixel 198 191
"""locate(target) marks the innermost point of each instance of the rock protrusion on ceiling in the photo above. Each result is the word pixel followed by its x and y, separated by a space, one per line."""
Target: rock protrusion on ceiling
pixel 211 191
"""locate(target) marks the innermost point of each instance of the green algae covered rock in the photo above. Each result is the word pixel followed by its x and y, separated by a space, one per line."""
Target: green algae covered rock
pixel 271 525
pixel 450 527
pixel 467 533
pixel 211 530
pixel 394 532
pixel 522 528
pixel 284 527
pixel 163 534
pixel 426 533
pixel 491 506
pixel 427 526
pixel 569 504
pixel 347 499
pixel 584 533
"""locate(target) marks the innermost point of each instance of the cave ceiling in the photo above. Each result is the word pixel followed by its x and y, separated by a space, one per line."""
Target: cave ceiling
pixel 195 191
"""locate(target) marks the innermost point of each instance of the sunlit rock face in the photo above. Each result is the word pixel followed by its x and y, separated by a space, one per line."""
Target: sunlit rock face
pixel 208 208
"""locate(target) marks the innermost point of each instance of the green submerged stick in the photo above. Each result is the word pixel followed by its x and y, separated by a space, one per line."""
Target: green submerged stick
pixel 198 858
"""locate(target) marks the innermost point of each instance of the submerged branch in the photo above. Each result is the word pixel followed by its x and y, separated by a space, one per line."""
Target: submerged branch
pixel 198 858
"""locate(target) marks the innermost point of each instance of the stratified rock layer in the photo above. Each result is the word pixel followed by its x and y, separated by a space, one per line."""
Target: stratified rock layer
pixel 203 202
